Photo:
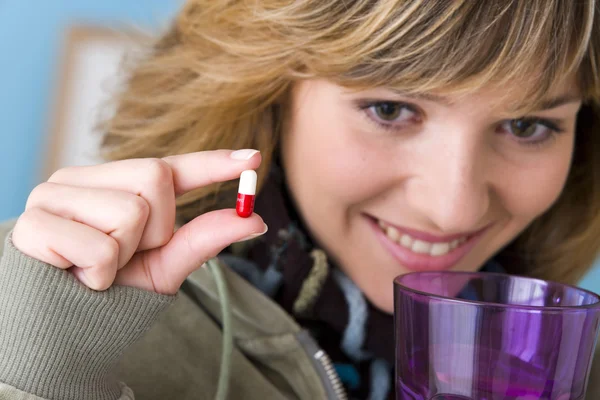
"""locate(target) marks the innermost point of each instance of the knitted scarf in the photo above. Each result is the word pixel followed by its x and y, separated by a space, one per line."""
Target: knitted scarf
pixel 285 265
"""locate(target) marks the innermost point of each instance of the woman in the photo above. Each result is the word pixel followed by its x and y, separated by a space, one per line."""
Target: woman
pixel 388 136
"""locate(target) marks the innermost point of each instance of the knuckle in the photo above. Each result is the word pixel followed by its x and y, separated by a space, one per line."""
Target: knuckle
pixel 29 231
pixel 31 217
pixel 158 172
pixel 38 193
pixel 107 251
pixel 137 209
pixel 61 174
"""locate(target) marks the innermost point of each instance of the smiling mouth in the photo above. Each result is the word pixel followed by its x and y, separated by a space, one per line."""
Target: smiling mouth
pixel 420 246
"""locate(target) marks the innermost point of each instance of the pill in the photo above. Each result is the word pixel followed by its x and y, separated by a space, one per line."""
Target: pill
pixel 246 194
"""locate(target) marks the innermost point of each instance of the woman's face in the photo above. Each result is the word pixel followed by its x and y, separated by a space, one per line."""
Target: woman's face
pixel 389 183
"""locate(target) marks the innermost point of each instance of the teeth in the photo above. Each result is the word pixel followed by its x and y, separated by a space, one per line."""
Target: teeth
pixel 420 246
pixel 439 249
pixel 393 233
pixel 406 241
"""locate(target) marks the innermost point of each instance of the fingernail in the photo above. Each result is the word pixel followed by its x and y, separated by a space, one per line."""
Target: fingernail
pixel 254 235
pixel 244 154
pixel 82 277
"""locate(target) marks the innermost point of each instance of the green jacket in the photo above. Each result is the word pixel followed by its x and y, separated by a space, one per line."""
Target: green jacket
pixel 61 340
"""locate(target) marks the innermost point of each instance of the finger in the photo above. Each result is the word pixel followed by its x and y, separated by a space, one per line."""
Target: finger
pixel 194 170
pixel 158 181
pixel 150 179
pixel 164 269
pixel 188 171
pixel 119 214
pixel 64 243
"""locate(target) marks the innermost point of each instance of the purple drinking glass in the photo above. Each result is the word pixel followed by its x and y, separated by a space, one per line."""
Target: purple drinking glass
pixel 488 336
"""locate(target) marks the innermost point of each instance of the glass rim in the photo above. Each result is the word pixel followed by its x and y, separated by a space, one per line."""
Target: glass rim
pixel 581 308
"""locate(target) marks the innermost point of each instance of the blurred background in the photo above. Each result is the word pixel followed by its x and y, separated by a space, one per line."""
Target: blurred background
pixel 56 58
pixel 60 62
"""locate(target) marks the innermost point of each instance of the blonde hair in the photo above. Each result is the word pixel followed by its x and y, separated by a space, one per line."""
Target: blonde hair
pixel 220 79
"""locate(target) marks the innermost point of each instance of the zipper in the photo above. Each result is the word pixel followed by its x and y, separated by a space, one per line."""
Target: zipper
pixel 332 375
pixel 324 366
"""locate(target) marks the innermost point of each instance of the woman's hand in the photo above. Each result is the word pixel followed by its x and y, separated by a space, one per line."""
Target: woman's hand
pixel 114 222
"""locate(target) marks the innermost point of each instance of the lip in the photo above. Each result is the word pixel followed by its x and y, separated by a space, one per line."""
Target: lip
pixel 425 262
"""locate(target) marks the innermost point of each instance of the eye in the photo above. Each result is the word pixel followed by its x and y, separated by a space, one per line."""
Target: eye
pixel 390 113
pixel 531 130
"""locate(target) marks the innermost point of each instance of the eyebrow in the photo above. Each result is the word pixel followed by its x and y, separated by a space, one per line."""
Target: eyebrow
pixel 561 100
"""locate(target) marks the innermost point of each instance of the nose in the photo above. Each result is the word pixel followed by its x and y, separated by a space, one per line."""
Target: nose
pixel 452 187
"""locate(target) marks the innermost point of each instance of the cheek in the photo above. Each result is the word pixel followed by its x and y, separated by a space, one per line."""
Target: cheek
pixel 532 191
pixel 327 155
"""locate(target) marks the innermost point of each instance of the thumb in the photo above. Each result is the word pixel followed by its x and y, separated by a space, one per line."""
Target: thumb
pixel 164 269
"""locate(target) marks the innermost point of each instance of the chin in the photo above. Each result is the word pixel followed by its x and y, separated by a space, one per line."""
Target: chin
pixel 382 298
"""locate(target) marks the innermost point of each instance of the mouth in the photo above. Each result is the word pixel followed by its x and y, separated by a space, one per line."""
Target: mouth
pixel 419 251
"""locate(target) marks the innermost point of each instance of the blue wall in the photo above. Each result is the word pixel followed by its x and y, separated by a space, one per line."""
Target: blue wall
pixel 30 40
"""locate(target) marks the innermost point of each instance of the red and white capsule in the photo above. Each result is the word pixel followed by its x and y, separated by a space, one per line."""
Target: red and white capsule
pixel 246 194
